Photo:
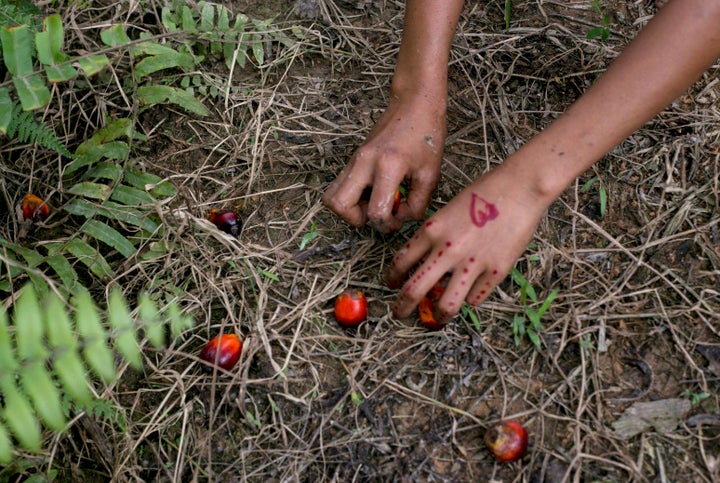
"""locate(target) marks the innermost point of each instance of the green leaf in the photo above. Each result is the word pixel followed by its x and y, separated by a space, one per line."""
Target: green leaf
pixel 148 181
pixel 114 130
pixel 258 49
pixel 169 19
pixel 207 16
pixel 39 386
pixel 179 322
pixel 6 446
pixel 115 35
pixel 29 333
pixel 67 363
pixel 49 45
pixel 106 170
pixel 93 64
pixel 121 320
pixel 53 37
pixel 508 13
pixel 109 236
pixel 534 318
pixel 87 154
pixel 90 189
pixel 223 21
pixel 469 313
pixel 112 210
pixel 63 268
pixel 154 94
pixel 32 91
pixel 603 201
pixel 17 48
pixel 8 364
pixel 588 184
pixel 549 300
pixel 128 195
pixel 269 275
pixel 31 257
pixel 534 338
pixel 188 22
pixel 90 257
pixel 96 351
pixel 60 73
pixel 150 317
pixel 19 415
pixel 167 60
pixel 6 108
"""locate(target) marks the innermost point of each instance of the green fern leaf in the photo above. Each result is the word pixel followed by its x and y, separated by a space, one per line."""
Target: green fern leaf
pixel 19 415
pixel 6 446
pixel 67 363
pixel 90 257
pixel 63 268
pixel 26 128
pixel 35 380
pixel 109 236
pixel 153 94
pixel 150 317
pixel 112 210
pixel 19 13
pixel 96 351
pixel 120 319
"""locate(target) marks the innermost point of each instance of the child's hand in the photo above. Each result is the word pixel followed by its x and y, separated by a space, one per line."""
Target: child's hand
pixel 477 238
pixel 405 144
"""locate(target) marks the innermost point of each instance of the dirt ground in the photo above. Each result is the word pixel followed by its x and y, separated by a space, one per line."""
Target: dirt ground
pixel 634 255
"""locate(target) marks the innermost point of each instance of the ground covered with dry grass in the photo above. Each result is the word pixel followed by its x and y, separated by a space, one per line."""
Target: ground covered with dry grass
pixel 633 248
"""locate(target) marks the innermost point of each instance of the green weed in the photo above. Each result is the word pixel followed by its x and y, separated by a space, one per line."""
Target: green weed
pixel 601 31
pixel 529 323
pixel 602 193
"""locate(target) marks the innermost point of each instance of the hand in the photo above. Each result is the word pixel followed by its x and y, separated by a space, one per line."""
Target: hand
pixel 477 238
pixel 405 144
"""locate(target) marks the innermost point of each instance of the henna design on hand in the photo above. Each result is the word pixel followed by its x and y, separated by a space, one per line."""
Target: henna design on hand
pixel 482 211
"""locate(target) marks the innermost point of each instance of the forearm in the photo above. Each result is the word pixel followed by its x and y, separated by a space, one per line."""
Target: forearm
pixel 422 64
pixel 670 53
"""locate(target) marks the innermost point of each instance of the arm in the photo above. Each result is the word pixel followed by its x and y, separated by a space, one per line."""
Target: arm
pixel 407 141
pixel 480 234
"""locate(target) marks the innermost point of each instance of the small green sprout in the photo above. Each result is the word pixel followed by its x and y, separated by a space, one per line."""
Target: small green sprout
pixel 601 31
pixel 529 322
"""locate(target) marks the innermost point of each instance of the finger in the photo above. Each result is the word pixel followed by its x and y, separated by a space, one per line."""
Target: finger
pixel 418 197
pixel 430 272
pixel 456 292
pixel 380 207
pixel 483 286
pixel 343 194
pixel 406 258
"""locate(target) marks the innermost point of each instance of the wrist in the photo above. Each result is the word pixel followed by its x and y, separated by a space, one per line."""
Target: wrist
pixel 431 93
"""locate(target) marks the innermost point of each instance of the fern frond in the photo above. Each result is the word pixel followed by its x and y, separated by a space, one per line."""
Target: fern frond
pixel 26 129
pixel 56 352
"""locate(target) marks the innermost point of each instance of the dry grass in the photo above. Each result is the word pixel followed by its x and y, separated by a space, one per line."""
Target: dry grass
pixel 635 320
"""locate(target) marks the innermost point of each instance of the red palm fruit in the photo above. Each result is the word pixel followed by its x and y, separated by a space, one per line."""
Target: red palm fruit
pixel 226 220
pixel 397 197
pixel 426 307
pixel 507 440
pixel 34 208
pixel 225 349
pixel 396 201
pixel 351 308
pixel 427 317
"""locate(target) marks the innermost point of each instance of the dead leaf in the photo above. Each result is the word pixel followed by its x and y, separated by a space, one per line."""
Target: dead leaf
pixel 662 415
